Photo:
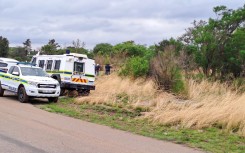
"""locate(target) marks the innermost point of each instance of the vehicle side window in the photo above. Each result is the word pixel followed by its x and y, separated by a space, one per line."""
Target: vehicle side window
pixel 11 69
pixel 57 64
pixel 16 69
pixel 34 60
pixel 41 63
pixel 49 64
pixel 3 64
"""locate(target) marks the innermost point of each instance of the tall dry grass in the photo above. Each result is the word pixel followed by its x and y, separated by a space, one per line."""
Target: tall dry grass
pixel 209 104
pixel 113 89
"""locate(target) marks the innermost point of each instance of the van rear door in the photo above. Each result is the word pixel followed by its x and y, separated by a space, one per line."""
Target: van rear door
pixel 78 73
pixel 90 68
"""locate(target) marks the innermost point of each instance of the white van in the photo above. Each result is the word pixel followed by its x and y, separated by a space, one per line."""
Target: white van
pixel 73 71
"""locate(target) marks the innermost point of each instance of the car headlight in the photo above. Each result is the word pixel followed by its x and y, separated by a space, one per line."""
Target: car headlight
pixel 33 83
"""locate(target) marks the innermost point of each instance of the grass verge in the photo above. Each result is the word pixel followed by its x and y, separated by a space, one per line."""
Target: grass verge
pixel 128 119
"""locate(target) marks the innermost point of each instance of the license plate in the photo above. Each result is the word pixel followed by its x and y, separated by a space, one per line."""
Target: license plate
pixel 46 91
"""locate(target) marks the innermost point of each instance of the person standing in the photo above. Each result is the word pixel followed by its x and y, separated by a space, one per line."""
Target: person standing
pixel 97 70
pixel 107 69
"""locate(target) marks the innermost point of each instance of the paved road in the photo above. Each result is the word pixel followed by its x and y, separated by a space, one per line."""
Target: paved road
pixel 27 129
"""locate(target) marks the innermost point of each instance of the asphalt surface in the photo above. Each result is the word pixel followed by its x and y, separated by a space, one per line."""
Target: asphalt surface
pixel 27 129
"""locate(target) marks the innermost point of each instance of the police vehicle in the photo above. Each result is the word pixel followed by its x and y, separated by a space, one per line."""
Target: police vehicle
pixel 29 81
pixel 73 71
pixel 6 63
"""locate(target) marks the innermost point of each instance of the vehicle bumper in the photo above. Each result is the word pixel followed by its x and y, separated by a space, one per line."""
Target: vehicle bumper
pixel 73 86
pixel 43 92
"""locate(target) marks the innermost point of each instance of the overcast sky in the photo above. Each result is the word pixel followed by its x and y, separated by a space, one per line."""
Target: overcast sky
pixel 102 21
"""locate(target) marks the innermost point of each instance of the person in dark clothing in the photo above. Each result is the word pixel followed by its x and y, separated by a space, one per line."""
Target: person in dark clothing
pixel 107 69
pixel 97 69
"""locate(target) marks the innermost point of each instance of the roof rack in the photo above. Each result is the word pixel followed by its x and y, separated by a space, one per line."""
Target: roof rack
pixel 25 63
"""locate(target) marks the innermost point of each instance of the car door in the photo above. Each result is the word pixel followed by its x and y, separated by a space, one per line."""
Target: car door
pixel 6 77
pixel 14 80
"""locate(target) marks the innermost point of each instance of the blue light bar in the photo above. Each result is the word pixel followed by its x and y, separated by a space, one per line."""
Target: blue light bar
pixel 26 63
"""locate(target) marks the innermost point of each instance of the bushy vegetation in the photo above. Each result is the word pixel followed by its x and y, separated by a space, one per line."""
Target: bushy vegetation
pixel 135 67
pixel 167 73
pixel 219 43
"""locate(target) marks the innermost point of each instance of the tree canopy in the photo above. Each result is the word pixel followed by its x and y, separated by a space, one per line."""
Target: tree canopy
pixel 216 52
pixel 4 47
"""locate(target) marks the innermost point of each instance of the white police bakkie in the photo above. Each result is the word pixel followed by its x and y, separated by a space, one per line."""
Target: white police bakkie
pixel 29 81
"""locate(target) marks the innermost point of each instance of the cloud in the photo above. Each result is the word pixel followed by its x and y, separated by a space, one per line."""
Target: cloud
pixel 96 21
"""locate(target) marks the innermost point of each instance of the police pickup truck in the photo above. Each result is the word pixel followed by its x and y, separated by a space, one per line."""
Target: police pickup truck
pixel 29 81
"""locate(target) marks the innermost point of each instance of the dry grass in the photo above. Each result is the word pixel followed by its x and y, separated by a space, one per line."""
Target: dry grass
pixel 113 89
pixel 209 104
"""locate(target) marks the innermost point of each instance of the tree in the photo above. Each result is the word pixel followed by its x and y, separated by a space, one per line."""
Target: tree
pixel 212 37
pixel 176 45
pixel 19 53
pixel 234 55
pixel 78 45
pixel 129 49
pixel 103 49
pixel 4 47
pixel 27 46
pixel 53 44
pixel 50 48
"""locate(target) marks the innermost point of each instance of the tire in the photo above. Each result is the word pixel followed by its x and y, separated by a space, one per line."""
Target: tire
pixel 83 92
pixel 72 93
pixel 53 99
pixel 1 91
pixel 22 96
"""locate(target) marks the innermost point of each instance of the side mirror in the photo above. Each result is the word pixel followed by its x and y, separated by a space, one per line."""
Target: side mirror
pixel 16 73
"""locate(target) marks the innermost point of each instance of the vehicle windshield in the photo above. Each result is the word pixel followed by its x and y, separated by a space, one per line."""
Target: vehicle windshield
pixel 30 71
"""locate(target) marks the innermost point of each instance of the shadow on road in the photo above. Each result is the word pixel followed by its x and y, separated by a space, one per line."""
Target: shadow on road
pixel 33 101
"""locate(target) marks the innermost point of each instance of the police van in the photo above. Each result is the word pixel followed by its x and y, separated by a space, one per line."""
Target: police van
pixel 73 71
pixel 29 81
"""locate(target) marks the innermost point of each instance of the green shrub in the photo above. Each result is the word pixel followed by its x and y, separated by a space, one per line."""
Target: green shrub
pixel 178 85
pixel 135 67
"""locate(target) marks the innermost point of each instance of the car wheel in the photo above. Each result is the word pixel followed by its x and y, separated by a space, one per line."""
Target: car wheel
pixel 22 96
pixel 53 99
pixel 1 91
pixel 83 92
